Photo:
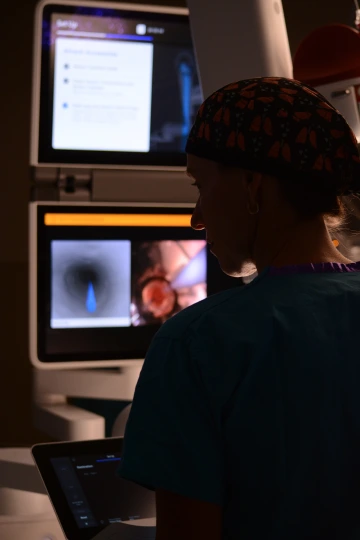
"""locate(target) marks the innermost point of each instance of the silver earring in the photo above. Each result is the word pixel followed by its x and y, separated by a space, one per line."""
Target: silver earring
pixel 251 212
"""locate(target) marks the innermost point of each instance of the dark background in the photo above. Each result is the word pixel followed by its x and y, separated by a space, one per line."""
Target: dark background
pixel 16 27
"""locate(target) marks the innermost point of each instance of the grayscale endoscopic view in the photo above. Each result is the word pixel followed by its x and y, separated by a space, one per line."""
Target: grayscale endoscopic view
pixel 91 283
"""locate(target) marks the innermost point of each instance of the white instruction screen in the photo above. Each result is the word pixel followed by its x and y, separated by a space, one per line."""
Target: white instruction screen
pixel 116 87
pixel 102 94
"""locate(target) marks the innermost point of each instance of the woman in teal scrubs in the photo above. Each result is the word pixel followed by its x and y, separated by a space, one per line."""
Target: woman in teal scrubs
pixel 246 416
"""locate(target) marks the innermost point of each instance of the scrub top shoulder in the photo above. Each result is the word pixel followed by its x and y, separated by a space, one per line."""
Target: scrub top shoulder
pixel 250 400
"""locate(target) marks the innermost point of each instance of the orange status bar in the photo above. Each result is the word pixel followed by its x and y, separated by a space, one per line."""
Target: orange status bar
pixel 117 220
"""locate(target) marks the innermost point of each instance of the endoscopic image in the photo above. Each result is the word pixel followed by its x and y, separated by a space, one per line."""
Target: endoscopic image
pixel 167 276
pixel 90 280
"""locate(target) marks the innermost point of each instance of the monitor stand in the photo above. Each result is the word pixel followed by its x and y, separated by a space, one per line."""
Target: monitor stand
pixel 65 422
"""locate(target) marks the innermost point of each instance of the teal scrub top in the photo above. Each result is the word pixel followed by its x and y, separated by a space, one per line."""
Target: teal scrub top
pixel 250 400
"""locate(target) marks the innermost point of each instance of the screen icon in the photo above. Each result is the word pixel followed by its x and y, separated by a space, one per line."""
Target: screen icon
pixel 141 29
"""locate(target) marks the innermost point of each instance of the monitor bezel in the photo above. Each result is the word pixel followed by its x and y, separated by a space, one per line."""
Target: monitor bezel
pixel 160 162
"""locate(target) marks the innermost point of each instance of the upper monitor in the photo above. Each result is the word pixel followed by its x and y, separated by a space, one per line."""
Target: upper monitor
pixel 114 84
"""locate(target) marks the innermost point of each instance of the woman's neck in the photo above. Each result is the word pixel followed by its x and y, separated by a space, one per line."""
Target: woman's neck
pixel 304 242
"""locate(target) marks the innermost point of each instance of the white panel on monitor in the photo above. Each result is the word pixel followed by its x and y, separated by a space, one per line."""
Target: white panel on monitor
pixel 241 39
pixel 342 95
pixel 114 122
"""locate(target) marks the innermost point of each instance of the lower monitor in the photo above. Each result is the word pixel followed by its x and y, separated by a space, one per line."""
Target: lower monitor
pixel 105 278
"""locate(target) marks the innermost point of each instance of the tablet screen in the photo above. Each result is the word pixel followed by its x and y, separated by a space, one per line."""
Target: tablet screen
pixel 95 494
pixel 85 488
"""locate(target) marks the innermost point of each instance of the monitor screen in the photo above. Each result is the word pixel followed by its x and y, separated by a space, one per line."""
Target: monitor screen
pixel 120 283
pixel 117 86
pixel 109 276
